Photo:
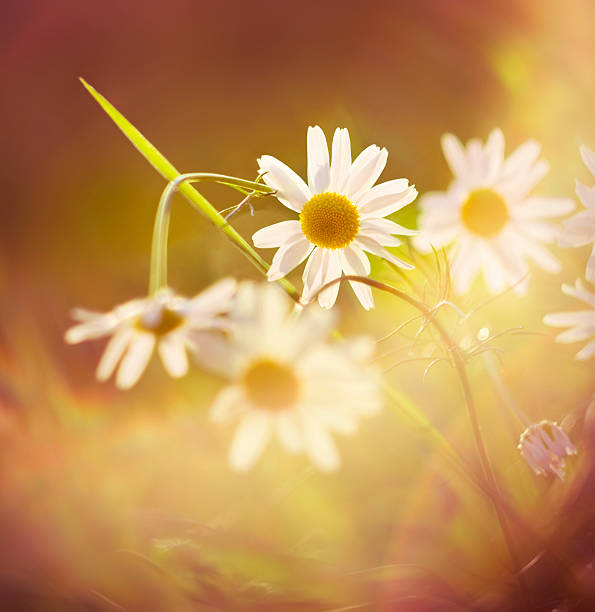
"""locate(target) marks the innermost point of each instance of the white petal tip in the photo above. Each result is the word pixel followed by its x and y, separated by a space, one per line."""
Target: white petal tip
pixel 71 338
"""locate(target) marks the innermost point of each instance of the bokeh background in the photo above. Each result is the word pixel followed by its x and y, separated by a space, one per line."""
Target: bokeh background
pixel 112 500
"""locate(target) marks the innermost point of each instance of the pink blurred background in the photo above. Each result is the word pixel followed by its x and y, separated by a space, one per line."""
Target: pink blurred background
pixel 213 85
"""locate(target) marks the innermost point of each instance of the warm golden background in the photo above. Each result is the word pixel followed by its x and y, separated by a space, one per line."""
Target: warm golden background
pixel 112 500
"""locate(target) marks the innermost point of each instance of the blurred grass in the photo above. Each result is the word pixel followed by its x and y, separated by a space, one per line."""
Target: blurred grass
pixel 112 500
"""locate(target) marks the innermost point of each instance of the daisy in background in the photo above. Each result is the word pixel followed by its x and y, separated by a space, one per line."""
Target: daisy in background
pixel 341 216
pixel 165 319
pixel 287 381
pixel 545 446
pixel 579 230
pixel 581 322
pixel 489 215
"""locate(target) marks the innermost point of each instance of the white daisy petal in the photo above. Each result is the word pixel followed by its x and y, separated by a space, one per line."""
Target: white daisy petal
pixel 590 271
pixel 291 189
pixel 328 297
pixel 113 353
pixel 567 319
pixel 578 229
pixel 580 322
pixel 250 440
pixel 365 171
pixel 100 326
pixel 539 207
pixel 455 154
pixel 318 160
pixel 589 158
pixel 173 355
pixel 289 257
pixel 494 154
pixel 494 269
pixel 436 238
pixel 370 245
pixel 341 161
pixel 227 404
pixel 215 299
pixel 356 263
pixel 135 360
pixel 466 264
pixel 515 264
pixel 521 158
pixel 320 446
pixel 277 234
pixel 543 258
pixel 313 273
pixel 384 199
pixel 586 196
pixel 381 238
pixel 387 226
pixel 82 314
pixel 543 231
pixel 587 352
pixel 576 334
pixel 289 432
pixel 579 292
pixel 519 186
pixel 475 159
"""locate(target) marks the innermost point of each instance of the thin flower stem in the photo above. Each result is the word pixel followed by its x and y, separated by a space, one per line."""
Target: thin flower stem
pixel 459 364
pixel 158 274
pixel 505 396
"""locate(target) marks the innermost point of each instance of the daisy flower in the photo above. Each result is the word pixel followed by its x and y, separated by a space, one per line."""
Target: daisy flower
pixel 288 382
pixel 341 216
pixel 544 446
pixel 488 212
pixel 580 228
pixel 165 319
pixel 581 322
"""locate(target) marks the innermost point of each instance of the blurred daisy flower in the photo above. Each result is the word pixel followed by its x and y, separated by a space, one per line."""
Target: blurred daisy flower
pixel 341 216
pixel 165 319
pixel 544 446
pixel 581 322
pixel 288 382
pixel 579 229
pixel 488 212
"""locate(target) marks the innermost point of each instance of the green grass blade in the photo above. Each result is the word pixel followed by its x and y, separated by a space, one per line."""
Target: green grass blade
pixel 169 172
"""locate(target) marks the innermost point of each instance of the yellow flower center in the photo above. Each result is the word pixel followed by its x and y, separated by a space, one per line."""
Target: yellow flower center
pixel 330 220
pixel 271 385
pixel 159 323
pixel 485 213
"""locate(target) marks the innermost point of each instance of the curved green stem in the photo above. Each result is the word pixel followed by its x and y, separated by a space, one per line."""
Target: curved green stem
pixel 459 365
pixel 158 274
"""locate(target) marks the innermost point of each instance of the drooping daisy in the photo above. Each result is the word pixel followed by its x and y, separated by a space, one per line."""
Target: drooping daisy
pixel 489 215
pixel 287 381
pixel 165 319
pixel 341 215
pixel 581 322
pixel 579 229
pixel 545 446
